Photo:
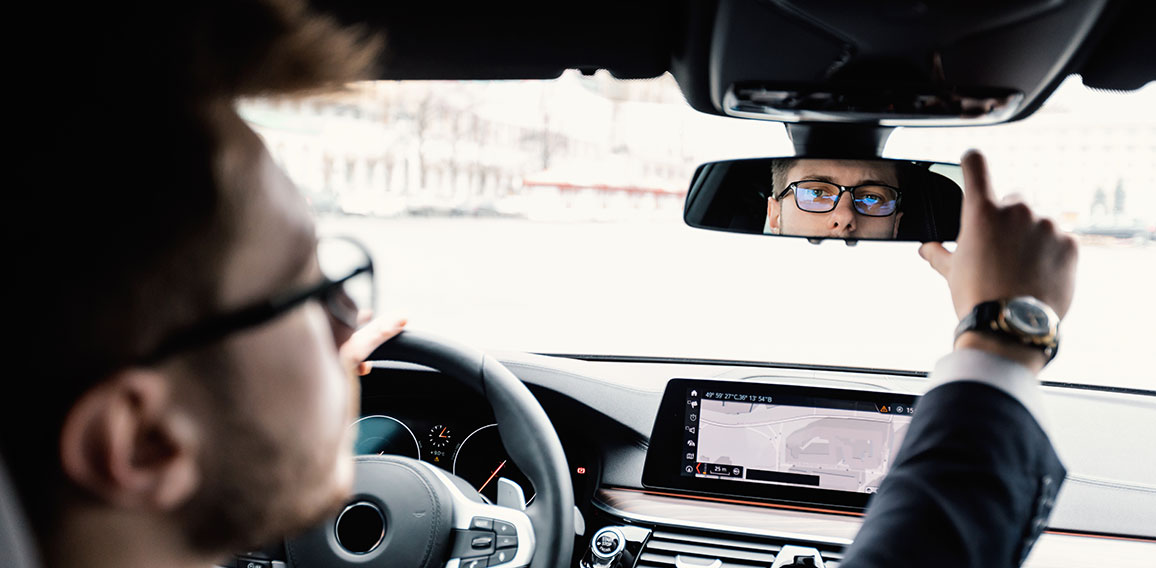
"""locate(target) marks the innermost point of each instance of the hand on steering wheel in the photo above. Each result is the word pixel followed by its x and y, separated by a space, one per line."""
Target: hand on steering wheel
pixel 371 334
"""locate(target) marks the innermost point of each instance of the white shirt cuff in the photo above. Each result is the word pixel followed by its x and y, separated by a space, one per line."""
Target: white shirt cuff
pixel 982 367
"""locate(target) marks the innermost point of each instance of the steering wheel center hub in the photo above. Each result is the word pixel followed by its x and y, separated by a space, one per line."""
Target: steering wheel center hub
pixel 360 527
pixel 399 511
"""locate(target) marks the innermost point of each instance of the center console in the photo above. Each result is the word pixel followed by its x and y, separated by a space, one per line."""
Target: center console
pixel 747 474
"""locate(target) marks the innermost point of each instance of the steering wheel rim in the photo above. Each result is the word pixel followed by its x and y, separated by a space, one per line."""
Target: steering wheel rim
pixel 526 433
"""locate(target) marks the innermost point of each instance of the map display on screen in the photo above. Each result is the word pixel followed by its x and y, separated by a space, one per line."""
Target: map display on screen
pixel 805 441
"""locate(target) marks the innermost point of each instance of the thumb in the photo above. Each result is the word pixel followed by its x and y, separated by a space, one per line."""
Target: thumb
pixel 938 257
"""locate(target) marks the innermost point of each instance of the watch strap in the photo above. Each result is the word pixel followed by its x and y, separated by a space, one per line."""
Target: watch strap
pixel 984 317
pixel 981 318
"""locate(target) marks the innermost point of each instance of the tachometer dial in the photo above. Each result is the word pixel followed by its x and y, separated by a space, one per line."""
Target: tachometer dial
pixel 440 436
pixel 481 460
pixel 385 435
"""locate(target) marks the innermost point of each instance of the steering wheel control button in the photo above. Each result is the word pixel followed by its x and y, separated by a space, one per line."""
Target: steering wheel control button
pixel 482 523
pixel 501 557
pixel 507 542
pixel 253 563
pixel 476 562
pixel 503 528
pixel 471 543
pixel 360 527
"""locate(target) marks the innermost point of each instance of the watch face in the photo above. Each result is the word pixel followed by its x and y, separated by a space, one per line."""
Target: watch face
pixel 1029 316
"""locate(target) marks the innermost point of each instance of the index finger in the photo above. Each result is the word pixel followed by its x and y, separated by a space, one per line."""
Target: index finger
pixel 977 190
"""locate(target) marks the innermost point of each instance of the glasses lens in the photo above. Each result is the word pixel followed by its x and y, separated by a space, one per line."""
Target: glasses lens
pixel 875 200
pixel 354 295
pixel 816 196
pixel 359 290
pixel 339 259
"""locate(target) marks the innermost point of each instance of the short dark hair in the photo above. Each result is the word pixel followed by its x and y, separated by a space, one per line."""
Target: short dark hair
pixel 118 219
pixel 779 169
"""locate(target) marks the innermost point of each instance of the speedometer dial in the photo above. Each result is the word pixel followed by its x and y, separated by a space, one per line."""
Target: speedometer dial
pixel 384 435
pixel 481 460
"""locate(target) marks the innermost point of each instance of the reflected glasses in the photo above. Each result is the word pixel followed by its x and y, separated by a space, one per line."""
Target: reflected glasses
pixel 346 288
pixel 872 200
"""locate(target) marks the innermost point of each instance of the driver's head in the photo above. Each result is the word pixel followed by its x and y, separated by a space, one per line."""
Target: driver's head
pixel 807 201
pixel 147 206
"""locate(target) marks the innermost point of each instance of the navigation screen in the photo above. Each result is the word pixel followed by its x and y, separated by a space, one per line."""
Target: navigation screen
pixel 793 440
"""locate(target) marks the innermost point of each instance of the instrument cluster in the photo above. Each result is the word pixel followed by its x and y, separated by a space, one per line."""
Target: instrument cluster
pixel 468 448
pixel 431 417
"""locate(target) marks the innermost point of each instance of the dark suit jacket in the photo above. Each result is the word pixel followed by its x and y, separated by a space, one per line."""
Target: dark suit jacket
pixel 972 485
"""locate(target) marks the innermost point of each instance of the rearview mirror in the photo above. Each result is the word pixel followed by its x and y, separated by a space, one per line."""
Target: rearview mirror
pixel 825 198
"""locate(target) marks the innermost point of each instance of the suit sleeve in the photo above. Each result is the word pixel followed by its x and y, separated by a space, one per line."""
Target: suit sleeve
pixel 972 485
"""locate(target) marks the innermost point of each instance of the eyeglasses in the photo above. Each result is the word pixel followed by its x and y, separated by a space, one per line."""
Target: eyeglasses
pixel 347 287
pixel 872 200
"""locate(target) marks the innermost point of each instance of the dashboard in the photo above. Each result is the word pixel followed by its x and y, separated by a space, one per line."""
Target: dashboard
pixel 625 427
pixel 619 420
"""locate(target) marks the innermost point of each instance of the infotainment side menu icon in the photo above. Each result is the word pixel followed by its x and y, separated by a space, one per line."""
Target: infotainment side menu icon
pixel 690 429
pixel 776 441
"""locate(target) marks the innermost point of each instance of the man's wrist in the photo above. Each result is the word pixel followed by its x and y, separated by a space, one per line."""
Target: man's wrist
pixel 1030 357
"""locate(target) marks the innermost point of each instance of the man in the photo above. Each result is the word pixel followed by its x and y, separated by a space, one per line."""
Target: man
pixel 180 392
pixel 845 199
pixel 131 451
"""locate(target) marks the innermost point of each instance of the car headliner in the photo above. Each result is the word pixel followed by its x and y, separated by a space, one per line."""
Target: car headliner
pixel 707 45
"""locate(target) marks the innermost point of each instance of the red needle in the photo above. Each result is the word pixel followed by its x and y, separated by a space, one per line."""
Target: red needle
pixel 492 476
pixel 442 435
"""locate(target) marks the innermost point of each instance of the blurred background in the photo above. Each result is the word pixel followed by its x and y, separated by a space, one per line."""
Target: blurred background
pixel 545 216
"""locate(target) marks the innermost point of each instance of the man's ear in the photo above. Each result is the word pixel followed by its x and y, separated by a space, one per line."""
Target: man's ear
pixel 129 444
pixel 773 215
pixel 895 231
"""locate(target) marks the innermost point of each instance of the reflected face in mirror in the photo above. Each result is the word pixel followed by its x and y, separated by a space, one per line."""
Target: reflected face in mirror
pixel 827 197
pixel 846 199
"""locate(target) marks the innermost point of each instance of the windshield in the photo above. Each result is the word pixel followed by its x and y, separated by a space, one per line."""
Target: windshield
pixel 546 216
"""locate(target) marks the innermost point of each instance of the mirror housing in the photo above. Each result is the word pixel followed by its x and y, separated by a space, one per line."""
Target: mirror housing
pixel 752 196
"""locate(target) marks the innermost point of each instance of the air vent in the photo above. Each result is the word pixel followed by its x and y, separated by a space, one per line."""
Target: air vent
pixel 685 549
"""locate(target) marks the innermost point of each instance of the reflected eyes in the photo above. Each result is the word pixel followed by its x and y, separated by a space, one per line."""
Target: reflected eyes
pixel 821 197
pixel 813 193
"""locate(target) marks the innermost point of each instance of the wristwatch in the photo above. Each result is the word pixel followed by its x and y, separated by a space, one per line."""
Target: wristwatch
pixel 1023 320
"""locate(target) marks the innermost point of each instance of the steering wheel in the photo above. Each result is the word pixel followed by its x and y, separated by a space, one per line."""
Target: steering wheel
pixel 406 512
